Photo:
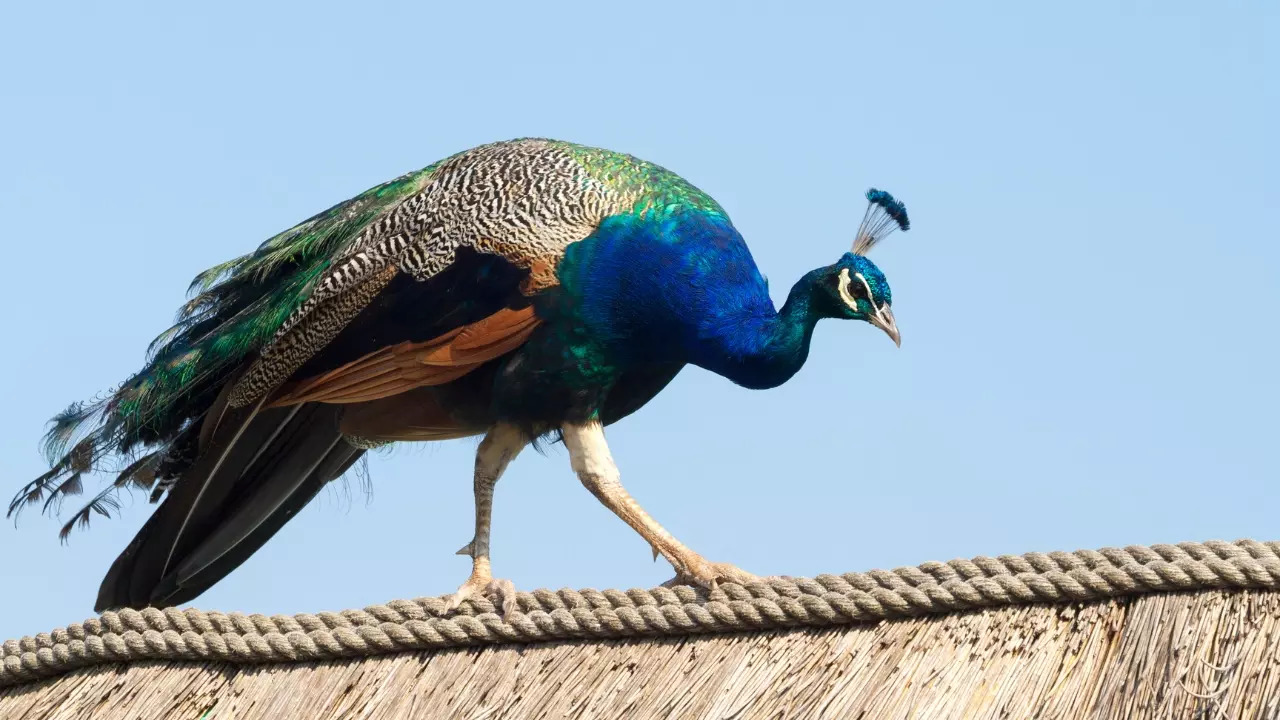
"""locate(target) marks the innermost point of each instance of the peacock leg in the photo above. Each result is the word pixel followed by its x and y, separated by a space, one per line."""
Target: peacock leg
pixel 500 445
pixel 589 455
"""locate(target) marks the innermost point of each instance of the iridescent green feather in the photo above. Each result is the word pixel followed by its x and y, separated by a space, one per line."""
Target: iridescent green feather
pixel 651 187
pixel 235 308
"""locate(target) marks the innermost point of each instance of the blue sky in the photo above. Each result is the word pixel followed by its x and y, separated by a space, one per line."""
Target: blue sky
pixel 1088 296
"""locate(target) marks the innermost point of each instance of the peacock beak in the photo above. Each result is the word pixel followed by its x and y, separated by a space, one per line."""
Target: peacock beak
pixel 884 320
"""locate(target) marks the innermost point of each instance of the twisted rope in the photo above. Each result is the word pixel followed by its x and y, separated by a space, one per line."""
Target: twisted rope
pixel 775 603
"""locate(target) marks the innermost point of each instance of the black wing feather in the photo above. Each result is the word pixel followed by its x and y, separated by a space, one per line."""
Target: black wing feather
pixel 271 454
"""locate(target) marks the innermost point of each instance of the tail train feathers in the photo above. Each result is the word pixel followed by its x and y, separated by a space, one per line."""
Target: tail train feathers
pixel 234 311
pixel 259 468
pixel 251 526
pixel 188 587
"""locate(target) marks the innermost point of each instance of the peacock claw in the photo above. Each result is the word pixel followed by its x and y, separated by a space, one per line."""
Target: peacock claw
pixel 499 591
pixel 701 573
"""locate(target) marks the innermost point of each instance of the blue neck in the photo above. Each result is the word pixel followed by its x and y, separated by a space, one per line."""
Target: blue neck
pixel 684 288
pixel 763 349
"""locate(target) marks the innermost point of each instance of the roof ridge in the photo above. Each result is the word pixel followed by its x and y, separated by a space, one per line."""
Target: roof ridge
pixel 543 615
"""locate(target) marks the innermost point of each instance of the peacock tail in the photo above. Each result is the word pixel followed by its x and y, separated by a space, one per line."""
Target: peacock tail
pixel 233 310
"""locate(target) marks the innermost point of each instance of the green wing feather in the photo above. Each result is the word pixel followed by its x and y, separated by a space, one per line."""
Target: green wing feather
pixel 234 309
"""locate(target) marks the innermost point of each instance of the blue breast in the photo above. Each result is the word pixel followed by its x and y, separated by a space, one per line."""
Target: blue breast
pixel 665 288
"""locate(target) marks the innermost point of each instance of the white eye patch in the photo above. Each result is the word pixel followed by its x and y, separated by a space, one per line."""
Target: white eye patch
pixel 843 285
pixel 848 298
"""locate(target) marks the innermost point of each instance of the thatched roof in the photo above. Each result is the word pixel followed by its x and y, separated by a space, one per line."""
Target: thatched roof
pixel 1168 632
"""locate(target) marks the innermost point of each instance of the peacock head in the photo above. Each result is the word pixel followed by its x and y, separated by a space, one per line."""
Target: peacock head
pixel 857 288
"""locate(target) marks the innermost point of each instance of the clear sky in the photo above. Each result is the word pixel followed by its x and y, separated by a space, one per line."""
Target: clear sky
pixel 1088 298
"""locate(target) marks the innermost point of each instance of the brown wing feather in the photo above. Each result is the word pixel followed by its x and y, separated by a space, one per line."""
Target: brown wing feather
pixel 480 342
pixel 405 366
pixel 415 415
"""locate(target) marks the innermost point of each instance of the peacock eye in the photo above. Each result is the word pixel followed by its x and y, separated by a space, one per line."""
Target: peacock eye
pixel 861 288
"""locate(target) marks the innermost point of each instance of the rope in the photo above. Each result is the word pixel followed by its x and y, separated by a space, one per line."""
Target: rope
pixel 774 603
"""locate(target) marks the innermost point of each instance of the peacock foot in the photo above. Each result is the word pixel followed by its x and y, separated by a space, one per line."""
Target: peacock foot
pixel 696 570
pixel 482 585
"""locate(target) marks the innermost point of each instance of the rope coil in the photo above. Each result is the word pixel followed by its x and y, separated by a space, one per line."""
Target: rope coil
pixel 544 615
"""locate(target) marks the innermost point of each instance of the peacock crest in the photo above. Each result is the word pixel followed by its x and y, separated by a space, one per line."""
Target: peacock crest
pixel 884 215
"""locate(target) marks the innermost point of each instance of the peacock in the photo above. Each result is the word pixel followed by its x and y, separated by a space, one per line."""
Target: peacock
pixel 521 291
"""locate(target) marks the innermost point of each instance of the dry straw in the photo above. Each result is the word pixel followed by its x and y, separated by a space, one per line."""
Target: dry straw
pixel 1065 656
